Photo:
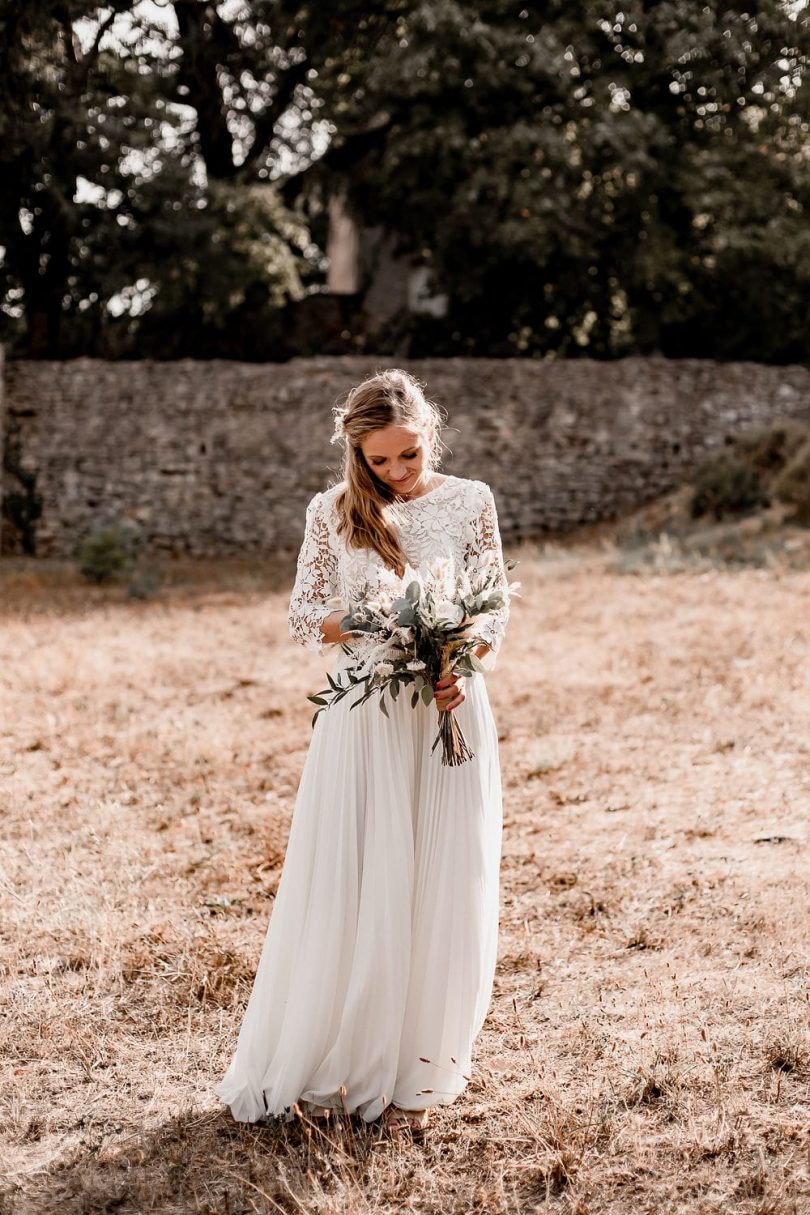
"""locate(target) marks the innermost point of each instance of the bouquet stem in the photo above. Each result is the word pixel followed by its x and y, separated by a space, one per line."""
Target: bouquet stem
pixel 455 749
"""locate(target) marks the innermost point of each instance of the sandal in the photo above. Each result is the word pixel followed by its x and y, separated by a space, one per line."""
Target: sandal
pixel 397 1119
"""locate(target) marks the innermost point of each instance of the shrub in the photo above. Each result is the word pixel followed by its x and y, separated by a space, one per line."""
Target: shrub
pixel 726 485
pixel 107 551
pixel 771 449
pixel 793 484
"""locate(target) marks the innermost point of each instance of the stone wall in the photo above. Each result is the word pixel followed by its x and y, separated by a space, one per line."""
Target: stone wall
pixel 221 457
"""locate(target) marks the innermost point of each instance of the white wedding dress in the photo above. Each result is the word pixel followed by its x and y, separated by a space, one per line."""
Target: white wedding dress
pixel 377 967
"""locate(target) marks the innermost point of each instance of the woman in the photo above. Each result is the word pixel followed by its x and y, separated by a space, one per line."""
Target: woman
pixel 377 968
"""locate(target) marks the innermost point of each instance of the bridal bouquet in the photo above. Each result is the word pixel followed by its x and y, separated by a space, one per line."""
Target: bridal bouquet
pixel 418 638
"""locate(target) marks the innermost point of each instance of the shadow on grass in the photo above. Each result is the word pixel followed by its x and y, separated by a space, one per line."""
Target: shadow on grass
pixel 210 1165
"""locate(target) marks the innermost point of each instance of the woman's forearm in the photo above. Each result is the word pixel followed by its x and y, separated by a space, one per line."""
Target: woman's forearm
pixel 330 627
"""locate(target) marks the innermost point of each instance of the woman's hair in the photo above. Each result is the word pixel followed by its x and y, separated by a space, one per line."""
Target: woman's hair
pixel 389 398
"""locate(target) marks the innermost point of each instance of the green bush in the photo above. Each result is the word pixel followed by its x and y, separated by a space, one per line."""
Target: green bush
pixel 770 450
pixel 106 552
pixel 793 484
pixel 773 462
pixel 726 485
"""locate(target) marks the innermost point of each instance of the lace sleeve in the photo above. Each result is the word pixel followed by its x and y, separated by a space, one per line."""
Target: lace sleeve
pixel 314 592
pixel 484 553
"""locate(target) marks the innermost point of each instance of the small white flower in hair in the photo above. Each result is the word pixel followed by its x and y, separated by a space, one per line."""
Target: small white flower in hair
pixel 340 429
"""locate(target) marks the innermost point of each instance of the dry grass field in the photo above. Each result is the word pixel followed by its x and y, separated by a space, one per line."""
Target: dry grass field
pixel 647 1045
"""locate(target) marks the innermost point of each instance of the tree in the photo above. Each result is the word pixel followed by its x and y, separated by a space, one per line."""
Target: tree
pixel 578 178
pixel 114 231
pixel 587 179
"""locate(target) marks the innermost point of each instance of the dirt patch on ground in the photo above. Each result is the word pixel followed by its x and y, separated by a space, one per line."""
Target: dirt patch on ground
pixel 647 1045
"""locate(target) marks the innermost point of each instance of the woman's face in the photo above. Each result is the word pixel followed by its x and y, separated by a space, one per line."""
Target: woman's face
pixel 398 456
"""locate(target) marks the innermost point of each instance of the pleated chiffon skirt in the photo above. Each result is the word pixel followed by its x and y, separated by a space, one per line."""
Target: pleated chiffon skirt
pixel 377 968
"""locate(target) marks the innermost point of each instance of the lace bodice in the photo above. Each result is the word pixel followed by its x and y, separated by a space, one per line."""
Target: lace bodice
pixel 458 517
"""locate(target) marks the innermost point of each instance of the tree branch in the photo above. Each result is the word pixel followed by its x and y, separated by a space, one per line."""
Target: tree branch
pixel 265 123
pixel 339 157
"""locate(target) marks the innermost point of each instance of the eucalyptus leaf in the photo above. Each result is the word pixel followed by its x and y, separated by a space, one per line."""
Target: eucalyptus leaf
pixel 427 693
pixel 365 626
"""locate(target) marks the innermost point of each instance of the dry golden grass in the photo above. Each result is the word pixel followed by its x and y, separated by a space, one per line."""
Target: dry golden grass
pixel 647 1045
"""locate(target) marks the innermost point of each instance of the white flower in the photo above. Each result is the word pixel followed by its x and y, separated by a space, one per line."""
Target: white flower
pixel 441 575
pixel 416 665
pixel 438 567
pixel 405 634
pixel 447 610
pixel 463 586
pixel 384 668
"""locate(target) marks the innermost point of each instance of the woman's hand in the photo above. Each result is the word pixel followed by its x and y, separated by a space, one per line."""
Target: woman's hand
pixel 449 692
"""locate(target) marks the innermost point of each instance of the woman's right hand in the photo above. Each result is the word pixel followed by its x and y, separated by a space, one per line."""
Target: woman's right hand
pixel 449 692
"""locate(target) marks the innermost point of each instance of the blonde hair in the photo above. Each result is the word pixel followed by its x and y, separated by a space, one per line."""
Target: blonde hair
pixel 389 398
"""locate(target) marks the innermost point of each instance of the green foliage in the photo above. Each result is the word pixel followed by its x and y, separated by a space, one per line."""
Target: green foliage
pixel 607 181
pixel 769 450
pixel 726 485
pixel 578 179
pixel 793 484
pixel 108 551
pixel 772 463
pixel 118 239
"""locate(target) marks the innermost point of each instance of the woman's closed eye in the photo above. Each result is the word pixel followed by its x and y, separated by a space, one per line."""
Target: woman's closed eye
pixel 411 455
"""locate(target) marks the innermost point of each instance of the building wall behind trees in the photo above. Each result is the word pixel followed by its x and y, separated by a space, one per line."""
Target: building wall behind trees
pixel 219 457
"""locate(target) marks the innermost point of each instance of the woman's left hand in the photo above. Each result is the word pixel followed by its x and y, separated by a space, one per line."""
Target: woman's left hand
pixel 449 692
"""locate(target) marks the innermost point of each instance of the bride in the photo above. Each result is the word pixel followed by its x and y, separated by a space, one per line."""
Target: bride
pixel 377 968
